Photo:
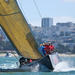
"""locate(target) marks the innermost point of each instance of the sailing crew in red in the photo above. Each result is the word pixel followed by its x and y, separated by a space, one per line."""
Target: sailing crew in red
pixel 51 48
pixel 30 60
pixel 46 48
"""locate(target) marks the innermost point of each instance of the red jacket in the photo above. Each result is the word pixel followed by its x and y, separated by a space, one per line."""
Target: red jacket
pixel 51 47
pixel 47 49
pixel 30 61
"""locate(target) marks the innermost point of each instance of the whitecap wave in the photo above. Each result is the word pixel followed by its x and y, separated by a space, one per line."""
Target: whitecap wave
pixel 63 67
pixel 36 68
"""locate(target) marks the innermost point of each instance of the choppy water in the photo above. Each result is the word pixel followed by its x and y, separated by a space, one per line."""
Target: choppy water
pixel 8 62
pixel 67 67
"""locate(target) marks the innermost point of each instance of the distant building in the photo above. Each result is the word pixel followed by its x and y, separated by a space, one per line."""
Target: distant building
pixel 68 24
pixel 47 22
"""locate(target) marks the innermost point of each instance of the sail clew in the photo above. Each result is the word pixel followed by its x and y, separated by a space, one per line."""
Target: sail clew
pixel 17 29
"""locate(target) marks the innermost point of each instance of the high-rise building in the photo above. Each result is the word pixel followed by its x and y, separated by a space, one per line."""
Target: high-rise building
pixel 47 22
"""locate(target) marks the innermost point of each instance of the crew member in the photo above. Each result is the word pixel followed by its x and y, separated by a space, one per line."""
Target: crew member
pixel 47 48
pixel 30 60
pixel 22 61
pixel 41 49
pixel 51 48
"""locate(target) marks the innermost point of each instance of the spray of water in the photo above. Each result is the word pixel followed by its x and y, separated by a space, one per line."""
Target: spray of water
pixel 64 66
pixel 36 68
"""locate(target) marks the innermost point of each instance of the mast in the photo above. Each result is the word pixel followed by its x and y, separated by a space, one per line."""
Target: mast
pixel 17 29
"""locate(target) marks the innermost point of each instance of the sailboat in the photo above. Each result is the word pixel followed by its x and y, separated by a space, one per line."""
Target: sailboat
pixel 18 31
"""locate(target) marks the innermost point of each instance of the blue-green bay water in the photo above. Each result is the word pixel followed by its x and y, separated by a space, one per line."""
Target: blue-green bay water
pixel 12 62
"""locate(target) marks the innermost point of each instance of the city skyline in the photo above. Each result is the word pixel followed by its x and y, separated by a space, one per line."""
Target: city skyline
pixel 59 10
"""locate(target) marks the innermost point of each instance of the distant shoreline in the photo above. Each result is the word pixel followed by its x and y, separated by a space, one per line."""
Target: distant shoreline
pixel 66 55
pixel 4 54
pixel 13 55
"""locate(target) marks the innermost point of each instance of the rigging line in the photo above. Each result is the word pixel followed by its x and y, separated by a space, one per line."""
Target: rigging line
pixel 27 21
pixel 23 12
pixel 9 14
pixel 25 18
pixel 37 8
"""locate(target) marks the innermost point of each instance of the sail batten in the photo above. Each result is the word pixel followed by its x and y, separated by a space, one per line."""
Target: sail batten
pixel 14 24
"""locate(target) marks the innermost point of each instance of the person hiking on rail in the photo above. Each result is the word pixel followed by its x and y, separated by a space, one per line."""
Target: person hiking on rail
pixel 51 48
pixel 46 48
pixel 42 51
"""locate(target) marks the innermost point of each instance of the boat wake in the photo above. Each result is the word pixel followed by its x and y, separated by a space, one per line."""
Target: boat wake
pixel 64 67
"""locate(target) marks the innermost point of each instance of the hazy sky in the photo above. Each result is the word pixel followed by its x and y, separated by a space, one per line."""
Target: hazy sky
pixel 59 10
